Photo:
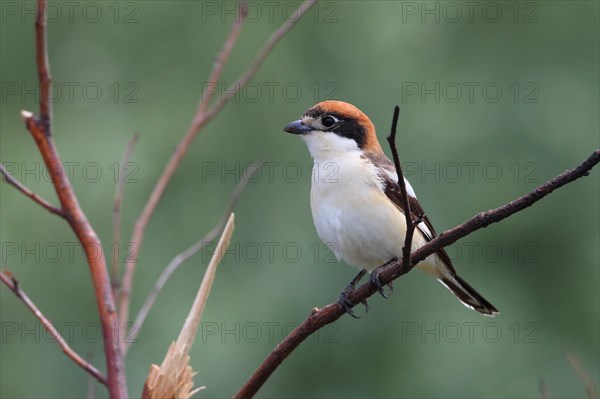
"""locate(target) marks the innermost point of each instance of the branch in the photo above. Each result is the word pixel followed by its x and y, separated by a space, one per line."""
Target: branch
pixel 185 255
pixel 221 59
pixel 43 66
pixel 261 56
pixel 40 129
pixel 586 380
pixel 13 285
pixel 544 392
pixel 333 311
pixel 91 387
pixel 199 121
pixel 114 278
pixel 410 225
pixel 28 193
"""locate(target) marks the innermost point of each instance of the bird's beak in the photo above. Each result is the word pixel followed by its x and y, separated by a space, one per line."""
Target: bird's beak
pixel 297 127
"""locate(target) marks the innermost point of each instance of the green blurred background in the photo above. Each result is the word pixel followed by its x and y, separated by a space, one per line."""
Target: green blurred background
pixel 141 66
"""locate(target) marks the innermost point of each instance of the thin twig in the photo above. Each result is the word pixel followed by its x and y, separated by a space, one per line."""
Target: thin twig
pixel 28 193
pixel 198 122
pixel 43 67
pixel 261 56
pixel 116 260
pixel 333 311
pixel 221 59
pixel 188 253
pixel 91 387
pixel 410 225
pixel 590 389
pixel 544 392
pixel 12 284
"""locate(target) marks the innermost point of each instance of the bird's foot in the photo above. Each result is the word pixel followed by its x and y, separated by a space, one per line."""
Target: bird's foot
pixel 375 280
pixel 346 303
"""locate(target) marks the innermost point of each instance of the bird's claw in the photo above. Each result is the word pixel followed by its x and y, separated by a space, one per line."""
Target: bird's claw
pixel 375 281
pixel 346 304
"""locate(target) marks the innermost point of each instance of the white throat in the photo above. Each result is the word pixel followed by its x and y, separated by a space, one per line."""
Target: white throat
pixel 325 146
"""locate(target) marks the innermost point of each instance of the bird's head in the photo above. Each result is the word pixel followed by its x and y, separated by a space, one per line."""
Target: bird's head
pixel 335 127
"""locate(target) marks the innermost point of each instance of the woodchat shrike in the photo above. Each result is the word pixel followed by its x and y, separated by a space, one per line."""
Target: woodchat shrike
pixel 356 202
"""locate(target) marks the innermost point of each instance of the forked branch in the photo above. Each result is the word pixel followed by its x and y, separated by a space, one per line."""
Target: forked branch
pixel 40 128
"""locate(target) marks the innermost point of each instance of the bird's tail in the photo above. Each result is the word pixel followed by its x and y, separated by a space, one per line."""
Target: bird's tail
pixel 467 295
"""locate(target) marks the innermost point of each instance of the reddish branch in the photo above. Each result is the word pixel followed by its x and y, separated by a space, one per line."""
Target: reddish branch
pixel 40 129
pixel 333 311
pixel 28 193
pixel 201 118
pixel 43 67
pixel 221 59
pixel 13 285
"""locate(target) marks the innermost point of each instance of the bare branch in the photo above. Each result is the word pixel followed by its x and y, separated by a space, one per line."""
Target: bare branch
pixel 43 66
pixel 590 389
pixel 40 129
pixel 198 122
pixel 221 59
pixel 115 263
pixel 544 392
pixel 333 311
pixel 28 193
pixel 262 55
pixel 410 225
pixel 12 284
pixel 91 387
pixel 188 253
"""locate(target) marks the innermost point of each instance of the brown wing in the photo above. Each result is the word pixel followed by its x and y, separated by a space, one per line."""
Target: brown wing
pixel 392 191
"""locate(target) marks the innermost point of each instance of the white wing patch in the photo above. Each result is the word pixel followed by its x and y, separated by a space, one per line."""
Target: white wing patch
pixel 394 177
pixel 409 189
pixel 411 192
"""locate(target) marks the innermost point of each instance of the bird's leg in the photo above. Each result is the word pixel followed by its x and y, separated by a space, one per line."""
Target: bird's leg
pixel 345 303
pixel 374 280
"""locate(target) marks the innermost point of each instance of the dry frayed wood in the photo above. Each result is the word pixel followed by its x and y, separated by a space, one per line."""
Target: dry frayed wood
pixel 174 378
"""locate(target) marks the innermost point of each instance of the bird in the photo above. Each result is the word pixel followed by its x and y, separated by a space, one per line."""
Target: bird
pixel 356 201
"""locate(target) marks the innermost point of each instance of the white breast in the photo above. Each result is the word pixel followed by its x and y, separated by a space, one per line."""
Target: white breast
pixel 350 210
